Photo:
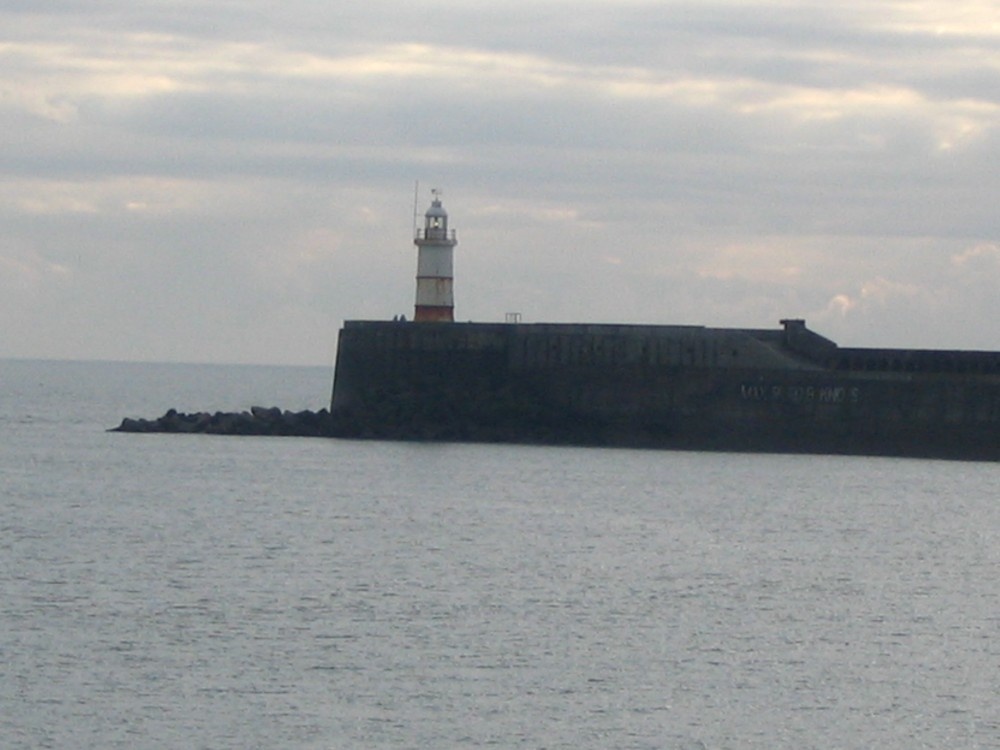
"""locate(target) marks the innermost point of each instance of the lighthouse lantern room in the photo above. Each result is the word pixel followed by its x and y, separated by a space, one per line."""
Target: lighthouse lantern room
pixel 435 301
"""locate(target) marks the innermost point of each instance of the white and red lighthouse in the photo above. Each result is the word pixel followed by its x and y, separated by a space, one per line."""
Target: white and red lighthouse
pixel 435 300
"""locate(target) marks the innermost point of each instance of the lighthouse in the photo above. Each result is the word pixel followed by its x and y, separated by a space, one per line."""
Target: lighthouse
pixel 435 302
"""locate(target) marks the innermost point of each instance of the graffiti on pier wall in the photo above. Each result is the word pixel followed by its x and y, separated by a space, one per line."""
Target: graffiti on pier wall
pixel 800 394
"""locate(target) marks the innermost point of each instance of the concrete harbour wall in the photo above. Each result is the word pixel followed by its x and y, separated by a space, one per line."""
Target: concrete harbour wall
pixel 655 386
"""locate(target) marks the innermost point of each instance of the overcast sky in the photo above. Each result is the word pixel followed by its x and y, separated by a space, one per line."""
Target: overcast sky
pixel 229 180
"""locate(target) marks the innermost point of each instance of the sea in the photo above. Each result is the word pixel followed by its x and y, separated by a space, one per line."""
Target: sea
pixel 193 591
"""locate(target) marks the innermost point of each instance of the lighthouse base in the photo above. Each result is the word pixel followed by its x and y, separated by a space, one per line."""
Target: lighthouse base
pixel 433 314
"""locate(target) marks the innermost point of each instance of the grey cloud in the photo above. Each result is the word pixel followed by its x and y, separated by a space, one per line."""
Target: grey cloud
pixel 638 162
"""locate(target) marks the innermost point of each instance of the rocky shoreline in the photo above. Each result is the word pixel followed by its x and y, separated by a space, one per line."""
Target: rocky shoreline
pixel 259 420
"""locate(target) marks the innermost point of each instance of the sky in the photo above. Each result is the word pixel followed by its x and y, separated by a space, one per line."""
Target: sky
pixel 230 180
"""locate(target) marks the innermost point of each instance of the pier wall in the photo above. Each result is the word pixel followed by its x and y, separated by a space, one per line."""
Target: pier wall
pixel 656 386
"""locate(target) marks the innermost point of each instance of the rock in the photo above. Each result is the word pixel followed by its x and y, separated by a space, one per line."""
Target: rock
pixel 272 414
pixel 259 420
pixel 135 425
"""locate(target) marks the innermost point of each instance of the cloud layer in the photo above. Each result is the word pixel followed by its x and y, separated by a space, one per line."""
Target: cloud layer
pixel 228 181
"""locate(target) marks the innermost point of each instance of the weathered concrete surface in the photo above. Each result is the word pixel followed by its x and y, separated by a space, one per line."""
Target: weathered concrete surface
pixel 680 387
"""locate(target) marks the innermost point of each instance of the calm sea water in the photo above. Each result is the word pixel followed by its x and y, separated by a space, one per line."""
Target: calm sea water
pixel 220 592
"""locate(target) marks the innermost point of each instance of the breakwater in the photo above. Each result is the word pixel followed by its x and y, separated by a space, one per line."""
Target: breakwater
pixel 679 387
pixel 257 420
pixel 675 387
